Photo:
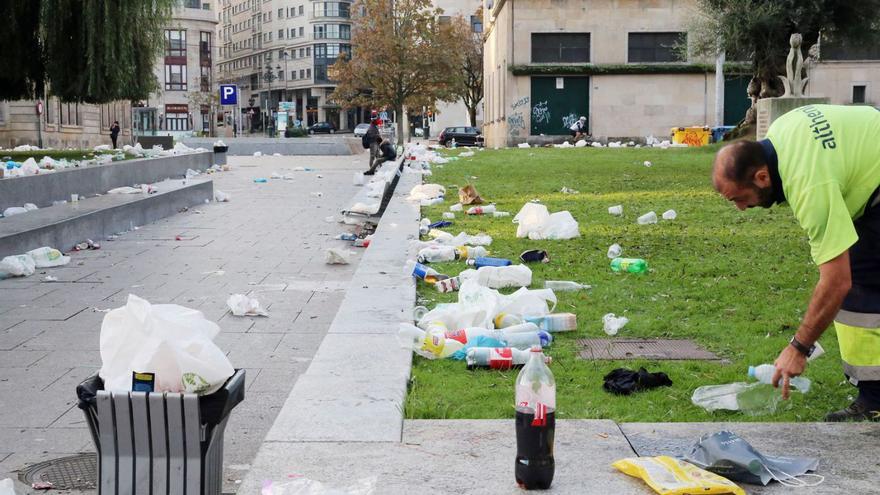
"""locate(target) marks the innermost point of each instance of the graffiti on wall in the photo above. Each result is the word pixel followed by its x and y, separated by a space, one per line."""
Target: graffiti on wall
pixel 515 123
pixel 540 113
pixel 569 119
pixel 520 102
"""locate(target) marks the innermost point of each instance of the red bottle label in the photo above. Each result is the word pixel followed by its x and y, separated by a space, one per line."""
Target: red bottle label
pixel 458 335
pixel 501 358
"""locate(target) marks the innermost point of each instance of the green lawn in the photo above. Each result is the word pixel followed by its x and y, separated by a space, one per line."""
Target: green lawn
pixel 737 282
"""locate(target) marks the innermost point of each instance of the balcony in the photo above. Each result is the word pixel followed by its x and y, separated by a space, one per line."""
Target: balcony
pixel 329 16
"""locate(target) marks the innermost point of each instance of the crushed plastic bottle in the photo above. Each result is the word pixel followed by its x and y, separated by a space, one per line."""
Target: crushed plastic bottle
pixel 346 237
pixel 764 374
pixel 612 323
pixel 669 215
pixel 565 285
pixel 647 218
pixel 481 210
pixel 498 214
pixel 629 265
pixel 614 251
pixel 515 339
pixel 456 207
pixel 616 210
pixel 448 215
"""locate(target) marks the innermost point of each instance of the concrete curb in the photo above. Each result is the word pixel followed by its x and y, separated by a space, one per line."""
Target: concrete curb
pixel 285 146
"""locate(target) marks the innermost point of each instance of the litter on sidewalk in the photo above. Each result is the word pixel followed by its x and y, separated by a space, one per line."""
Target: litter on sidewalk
pixel 242 305
pixel 668 476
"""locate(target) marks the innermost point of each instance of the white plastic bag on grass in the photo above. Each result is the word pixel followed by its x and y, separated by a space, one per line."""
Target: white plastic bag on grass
pixel 242 305
pixel 174 342
pixel 499 277
pixel 561 225
pixel 20 265
pixel 532 218
pixel 46 257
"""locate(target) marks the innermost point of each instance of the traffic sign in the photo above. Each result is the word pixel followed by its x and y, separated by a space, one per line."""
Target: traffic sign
pixel 228 94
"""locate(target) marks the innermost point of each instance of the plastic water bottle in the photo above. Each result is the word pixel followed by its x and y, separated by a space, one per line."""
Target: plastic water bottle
pixel 498 214
pixel 346 237
pixel 750 398
pixel 647 218
pixel 616 210
pixel 764 374
pixel 669 215
pixel 614 251
pixel 435 254
pixel 486 261
pixel 496 358
pixel 481 210
pixel 430 343
pixel 504 320
pixel 556 322
pixel 565 285
pixel 450 284
pixel 456 207
pixel 629 265
pixel 516 340
pixel 469 253
pixel 535 423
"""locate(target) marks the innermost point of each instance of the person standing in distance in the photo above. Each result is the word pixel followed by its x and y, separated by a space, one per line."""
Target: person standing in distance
pixel 114 132
pixel 824 161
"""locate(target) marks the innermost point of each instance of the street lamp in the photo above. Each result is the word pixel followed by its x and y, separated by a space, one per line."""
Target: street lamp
pixel 268 76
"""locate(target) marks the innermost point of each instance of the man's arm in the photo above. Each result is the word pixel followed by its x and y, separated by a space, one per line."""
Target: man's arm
pixel 835 280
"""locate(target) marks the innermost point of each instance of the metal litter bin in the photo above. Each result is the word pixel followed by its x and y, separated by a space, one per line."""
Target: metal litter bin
pixel 159 443
pixel 220 155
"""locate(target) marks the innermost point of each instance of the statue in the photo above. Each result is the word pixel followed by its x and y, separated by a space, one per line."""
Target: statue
pixel 794 81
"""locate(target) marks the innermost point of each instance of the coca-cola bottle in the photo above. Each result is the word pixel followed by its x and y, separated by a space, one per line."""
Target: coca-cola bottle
pixel 535 423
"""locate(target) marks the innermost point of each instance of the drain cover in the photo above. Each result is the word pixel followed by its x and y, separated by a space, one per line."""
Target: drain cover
pixel 642 349
pixel 76 472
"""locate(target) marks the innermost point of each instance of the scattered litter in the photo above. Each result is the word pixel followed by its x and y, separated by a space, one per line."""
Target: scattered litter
pixel 261 180
pixel 481 210
pixel 242 305
pixel 99 310
pixel 612 323
pixel 178 238
pixel 565 144
pixel 330 219
pixel 499 277
pixel 568 190
pixel 754 398
pixel 448 215
pixel 125 190
pixel 14 210
pixel 647 163
pixel 19 265
pixel 647 218
pixel 86 245
pixel 276 154
pixel 50 278
pixel 534 256
pixel 221 197
pixel 366 209
pixel 580 144
pixel 523 145
pixel 338 256
pixel 565 285
pixel 258 153
pixel 535 222
pixel 468 195
pixel 7 487
pixel 358 179
pixel 46 257
pixel 623 381
pixel 426 192
pixel 614 251
pixel 670 476
pixel 276 175
pixel 42 485
pixel 669 215
pixel 219 143
pixel 466 154
pixel 190 173
pixel 616 210
pixel 456 207
pixel 319 176
pixel 316 194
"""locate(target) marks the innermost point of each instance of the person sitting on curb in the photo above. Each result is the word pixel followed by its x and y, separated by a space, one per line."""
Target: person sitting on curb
pixel 387 153
pixel 578 129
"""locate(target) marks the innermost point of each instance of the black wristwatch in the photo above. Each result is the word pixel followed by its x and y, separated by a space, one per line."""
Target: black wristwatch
pixel 806 351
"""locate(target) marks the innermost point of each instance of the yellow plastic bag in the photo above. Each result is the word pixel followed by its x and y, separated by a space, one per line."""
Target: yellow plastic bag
pixel 669 476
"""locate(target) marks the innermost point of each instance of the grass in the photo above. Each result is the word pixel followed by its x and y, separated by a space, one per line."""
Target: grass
pixel 736 282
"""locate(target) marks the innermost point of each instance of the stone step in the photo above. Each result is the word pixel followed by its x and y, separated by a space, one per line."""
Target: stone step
pixel 62 226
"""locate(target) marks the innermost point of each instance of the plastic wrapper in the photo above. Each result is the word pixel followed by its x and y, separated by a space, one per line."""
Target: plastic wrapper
pixel 668 476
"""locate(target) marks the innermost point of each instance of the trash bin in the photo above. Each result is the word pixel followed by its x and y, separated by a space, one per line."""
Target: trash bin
pixel 157 442
pixel 691 136
pixel 718 132
pixel 220 155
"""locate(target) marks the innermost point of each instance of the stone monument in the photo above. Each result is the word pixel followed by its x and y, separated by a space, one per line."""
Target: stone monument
pixel 769 109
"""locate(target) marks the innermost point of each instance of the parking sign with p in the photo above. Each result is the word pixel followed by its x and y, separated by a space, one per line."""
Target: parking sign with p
pixel 228 94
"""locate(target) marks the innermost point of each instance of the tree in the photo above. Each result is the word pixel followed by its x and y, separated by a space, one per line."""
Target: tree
pixel 400 58
pixel 469 76
pixel 759 31
pixel 92 51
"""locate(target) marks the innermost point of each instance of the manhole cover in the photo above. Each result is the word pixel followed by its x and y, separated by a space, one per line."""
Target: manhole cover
pixel 642 349
pixel 76 472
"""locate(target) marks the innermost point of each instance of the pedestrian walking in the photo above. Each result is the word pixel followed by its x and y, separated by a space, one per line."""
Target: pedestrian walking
pixel 114 132
pixel 372 138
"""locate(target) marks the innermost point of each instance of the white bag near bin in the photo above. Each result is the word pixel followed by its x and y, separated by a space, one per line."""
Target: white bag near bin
pixel 174 342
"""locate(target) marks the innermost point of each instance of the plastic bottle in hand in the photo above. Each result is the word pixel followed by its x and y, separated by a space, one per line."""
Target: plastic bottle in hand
pixel 535 423
pixel 764 374
pixel 481 210
pixel 629 265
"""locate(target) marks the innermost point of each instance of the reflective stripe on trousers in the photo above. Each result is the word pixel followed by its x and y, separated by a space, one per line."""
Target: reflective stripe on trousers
pixel 859 338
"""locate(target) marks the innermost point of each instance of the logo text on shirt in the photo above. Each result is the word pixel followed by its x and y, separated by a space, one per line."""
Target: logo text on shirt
pixel 820 127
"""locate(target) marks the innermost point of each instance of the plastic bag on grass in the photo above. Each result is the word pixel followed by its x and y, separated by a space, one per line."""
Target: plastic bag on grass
pixel 174 342
pixel 499 277
pixel 668 476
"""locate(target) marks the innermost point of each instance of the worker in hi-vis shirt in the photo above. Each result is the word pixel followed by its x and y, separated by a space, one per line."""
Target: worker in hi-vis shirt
pixel 824 161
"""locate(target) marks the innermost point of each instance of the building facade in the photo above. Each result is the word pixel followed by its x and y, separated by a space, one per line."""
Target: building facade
pixel 620 64
pixel 280 51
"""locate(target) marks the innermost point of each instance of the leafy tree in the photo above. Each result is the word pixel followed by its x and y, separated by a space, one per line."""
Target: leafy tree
pixel 400 58
pixel 759 31
pixel 468 83
pixel 92 51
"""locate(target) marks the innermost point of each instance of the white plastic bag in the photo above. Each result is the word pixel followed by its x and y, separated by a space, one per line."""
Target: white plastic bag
pixel 426 191
pixel 7 487
pixel 221 197
pixel 46 257
pixel 14 210
pixel 613 323
pixel 242 305
pixel 532 218
pixel 561 226
pixel 30 167
pixel 337 256
pixel 174 342
pixel 499 277
pixel 20 265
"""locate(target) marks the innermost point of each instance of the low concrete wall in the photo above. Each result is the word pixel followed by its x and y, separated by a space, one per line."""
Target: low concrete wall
pixel 63 226
pixel 42 190
pixel 335 145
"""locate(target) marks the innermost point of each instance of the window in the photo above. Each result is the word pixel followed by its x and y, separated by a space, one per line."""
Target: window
pixel 175 43
pixel 308 73
pixel 302 74
pixel 320 50
pixel 280 13
pixel 176 121
pixel 656 47
pixel 859 93
pixel 344 31
pixel 280 75
pixel 175 77
pixel 301 11
pixel 319 31
pixel 293 32
pixel 192 4
pixel 205 81
pixel 560 47
pixel 205 45
pixel 69 113
pixel 321 72
pixel 476 24
pixel 332 51
pixel 280 34
pixel 302 52
pixel 308 51
pixel 444 20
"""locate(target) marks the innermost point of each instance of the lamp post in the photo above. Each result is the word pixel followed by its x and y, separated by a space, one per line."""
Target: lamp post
pixel 268 77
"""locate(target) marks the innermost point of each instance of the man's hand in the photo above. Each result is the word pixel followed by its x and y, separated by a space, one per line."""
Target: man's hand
pixel 789 364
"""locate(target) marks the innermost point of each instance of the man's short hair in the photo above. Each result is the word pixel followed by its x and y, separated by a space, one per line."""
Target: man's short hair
pixel 746 157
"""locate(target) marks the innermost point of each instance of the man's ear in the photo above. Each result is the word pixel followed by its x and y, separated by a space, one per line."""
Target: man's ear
pixel 762 177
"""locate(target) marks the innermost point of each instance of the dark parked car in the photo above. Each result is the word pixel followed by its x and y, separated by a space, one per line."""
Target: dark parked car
pixel 464 136
pixel 320 127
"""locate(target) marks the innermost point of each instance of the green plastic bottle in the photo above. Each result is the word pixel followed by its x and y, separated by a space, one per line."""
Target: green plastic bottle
pixel 630 265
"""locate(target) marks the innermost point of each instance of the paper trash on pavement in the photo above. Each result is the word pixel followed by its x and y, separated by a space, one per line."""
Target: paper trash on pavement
pixel 242 305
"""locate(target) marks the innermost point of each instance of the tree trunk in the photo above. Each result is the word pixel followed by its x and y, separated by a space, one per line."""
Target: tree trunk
pixel 399 110
pixel 472 115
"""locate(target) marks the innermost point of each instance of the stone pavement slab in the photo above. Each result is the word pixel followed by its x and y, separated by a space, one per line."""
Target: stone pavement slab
pixel 847 452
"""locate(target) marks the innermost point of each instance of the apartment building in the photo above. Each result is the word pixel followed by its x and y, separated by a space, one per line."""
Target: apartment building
pixel 280 51
pixel 616 62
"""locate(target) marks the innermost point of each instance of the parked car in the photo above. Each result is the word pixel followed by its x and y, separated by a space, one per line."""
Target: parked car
pixel 361 129
pixel 464 136
pixel 320 127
